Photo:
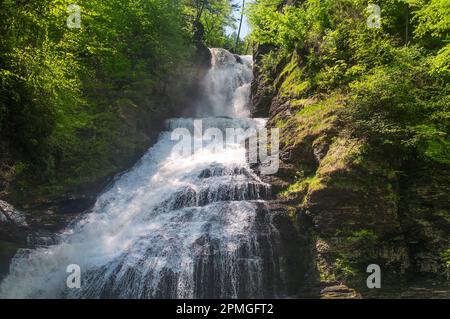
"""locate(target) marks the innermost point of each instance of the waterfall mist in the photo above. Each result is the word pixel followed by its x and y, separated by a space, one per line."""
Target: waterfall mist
pixel 172 226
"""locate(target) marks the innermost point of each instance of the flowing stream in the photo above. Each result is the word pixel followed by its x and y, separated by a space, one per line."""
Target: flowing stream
pixel 174 226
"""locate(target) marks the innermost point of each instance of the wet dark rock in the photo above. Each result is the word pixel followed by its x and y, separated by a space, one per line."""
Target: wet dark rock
pixel 13 224
pixel 222 171
pixel 339 291
pixel 262 92
pixel 190 197
pixel 8 214
pixel 203 57
pixel 293 244
pixel 70 204
pixel 400 220
pixel 238 59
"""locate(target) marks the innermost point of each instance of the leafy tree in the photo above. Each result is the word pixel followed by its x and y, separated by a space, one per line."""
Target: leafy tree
pixel 214 16
pixel 396 84
pixel 64 92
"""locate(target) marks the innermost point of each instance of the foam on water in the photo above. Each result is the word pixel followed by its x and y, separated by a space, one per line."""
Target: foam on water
pixel 173 226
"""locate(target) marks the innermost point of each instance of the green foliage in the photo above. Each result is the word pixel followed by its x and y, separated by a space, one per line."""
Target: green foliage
pixel 402 107
pixel 354 251
pixel 433 25
pixel 362 238
pixel 288 25
pixel 446 257
pixel 342 270
pixel 432 18
pixel 395 78
pixel 214 16
pixel 72 101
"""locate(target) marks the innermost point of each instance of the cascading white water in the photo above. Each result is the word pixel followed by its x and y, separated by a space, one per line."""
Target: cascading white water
pixel 171 227
pixel 227 86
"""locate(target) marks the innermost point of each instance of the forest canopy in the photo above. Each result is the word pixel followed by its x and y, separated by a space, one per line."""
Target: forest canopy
pixel 64 88
pixel 395 76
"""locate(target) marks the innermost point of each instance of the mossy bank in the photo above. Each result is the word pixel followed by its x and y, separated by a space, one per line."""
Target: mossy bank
pixel 361 173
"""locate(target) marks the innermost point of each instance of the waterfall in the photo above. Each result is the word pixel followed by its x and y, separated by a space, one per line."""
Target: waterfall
pixel 227 85
pixel 172 226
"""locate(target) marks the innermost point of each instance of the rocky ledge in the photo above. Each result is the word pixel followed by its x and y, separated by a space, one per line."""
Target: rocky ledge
pixel 352 206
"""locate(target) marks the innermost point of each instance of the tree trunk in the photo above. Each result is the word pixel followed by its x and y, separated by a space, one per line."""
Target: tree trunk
pixel 240 26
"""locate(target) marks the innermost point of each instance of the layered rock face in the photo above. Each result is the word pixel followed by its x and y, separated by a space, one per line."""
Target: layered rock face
pixel 355 206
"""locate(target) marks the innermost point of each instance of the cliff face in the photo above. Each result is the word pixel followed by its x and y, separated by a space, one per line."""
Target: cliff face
pixel 352 203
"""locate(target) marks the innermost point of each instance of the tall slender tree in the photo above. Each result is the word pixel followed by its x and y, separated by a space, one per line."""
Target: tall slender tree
pixel 240 27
